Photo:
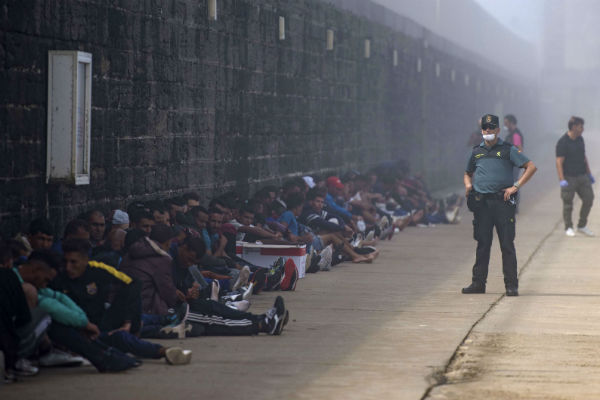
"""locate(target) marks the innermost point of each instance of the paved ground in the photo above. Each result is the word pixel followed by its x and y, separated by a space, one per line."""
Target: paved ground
pixel 391 328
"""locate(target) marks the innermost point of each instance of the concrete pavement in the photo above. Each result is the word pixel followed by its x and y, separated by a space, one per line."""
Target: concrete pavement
pixel 390 328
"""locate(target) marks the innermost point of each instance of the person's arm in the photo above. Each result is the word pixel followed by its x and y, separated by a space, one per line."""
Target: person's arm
pixel 559 168
pixel 62 309
pixel 163 281
pixel 468 181
pixel 530 169
pixel 220 251
pixel 587 166
pixel 261 233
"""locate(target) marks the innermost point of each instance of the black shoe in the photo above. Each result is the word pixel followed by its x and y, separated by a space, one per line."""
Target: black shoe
pixel 474 288
pixel 512 291
pixel 314 264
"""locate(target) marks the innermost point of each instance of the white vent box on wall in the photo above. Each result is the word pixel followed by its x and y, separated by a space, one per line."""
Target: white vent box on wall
pixel 69 117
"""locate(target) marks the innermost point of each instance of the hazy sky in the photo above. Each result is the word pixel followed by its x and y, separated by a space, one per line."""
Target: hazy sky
pixel 524 17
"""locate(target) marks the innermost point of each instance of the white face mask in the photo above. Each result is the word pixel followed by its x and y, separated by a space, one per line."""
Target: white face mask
pixel 489 137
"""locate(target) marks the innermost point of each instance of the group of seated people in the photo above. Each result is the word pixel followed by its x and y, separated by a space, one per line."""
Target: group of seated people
pixel 169 268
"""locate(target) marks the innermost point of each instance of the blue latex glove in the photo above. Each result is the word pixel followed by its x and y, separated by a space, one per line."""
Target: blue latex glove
pixel 564 184
pixel 592 178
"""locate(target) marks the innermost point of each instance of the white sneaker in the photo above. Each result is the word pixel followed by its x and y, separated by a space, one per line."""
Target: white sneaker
pixel 570 232
pixel 178 356
pixel 242 278
pixel 586 231
pixel 58 358
pixel 242 305
pixel 326 258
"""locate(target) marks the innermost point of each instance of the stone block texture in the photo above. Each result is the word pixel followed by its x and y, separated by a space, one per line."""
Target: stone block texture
pixel 181 102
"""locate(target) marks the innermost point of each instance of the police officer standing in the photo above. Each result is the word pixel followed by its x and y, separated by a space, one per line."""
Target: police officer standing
pixel 491 196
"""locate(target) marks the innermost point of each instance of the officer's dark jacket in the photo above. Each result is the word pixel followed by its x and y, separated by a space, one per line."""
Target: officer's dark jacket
pixel 99 286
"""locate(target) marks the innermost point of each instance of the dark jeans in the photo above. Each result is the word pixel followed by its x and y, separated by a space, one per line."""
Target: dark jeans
pixel 581 185
pixel 128 343
pixel 152 324
pixel 492 211
pixel 74 340
pixel 218 319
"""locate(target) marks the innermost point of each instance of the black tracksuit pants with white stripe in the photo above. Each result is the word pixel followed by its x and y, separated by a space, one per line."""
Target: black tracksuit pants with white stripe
pixel 220 320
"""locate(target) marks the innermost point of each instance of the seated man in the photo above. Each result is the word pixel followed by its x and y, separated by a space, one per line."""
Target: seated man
pixel 39 236
pixel 143 221
pixel 314 217
pixel 247 232
pixel 111 301
pixel 212 317
pixel 70 327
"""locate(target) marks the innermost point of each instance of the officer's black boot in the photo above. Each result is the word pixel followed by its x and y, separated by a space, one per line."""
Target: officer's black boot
pixel 474 288
pixel 512 291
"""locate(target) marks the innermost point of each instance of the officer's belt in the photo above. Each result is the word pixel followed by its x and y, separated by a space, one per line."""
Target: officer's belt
pixel 495 196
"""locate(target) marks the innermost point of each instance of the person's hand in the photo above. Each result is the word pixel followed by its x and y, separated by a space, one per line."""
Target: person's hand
pixel 194 291
pixel 468 189
pixel 180 295
pixel 91 330
pixel 125 327
pixel 592 180
pixel 278 235
pixel 564 183
pixel 509 192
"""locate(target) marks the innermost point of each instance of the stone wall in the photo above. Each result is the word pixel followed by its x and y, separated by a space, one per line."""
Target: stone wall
pixel 181 102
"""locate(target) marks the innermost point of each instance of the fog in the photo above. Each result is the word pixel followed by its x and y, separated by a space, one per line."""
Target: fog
pixel 553 44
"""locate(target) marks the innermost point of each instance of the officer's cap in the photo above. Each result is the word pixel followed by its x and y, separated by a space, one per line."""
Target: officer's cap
pixel 490 119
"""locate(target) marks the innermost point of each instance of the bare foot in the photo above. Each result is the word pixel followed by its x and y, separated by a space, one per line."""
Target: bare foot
pixel 362 259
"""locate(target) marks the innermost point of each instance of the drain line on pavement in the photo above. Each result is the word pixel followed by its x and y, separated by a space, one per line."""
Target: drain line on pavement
pixel 439 377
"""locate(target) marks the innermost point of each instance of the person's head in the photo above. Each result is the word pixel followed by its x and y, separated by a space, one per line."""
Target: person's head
pixel 160 213
pixel 215 220
pixel 37 272
pixel 41 234
pixel 576 126
pixel 97 225
pixel 246 216
pixel 191 251
pixel 223 207
pixel 163 235
pixel 200 215
pixel 18 249
pixel 266 195
pixel 120 220
pixel 489 127
pixel 295 202
pixel 175 205
pixel 77 229
pixel 192 199
pixel 510 122
pixel 76 257
pixel 293 185
pixel 143 221
pixel 335 186
pixel 316 199
pixel 116 239
pixel 133 236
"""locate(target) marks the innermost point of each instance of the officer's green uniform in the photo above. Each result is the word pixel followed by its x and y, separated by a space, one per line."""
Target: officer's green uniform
pixel 492 170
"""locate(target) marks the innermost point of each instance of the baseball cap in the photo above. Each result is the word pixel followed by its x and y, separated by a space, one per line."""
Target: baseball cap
pixel 334 181
pixel 490 119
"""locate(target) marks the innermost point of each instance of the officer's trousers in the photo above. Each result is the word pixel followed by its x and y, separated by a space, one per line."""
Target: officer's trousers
pixel 492 211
